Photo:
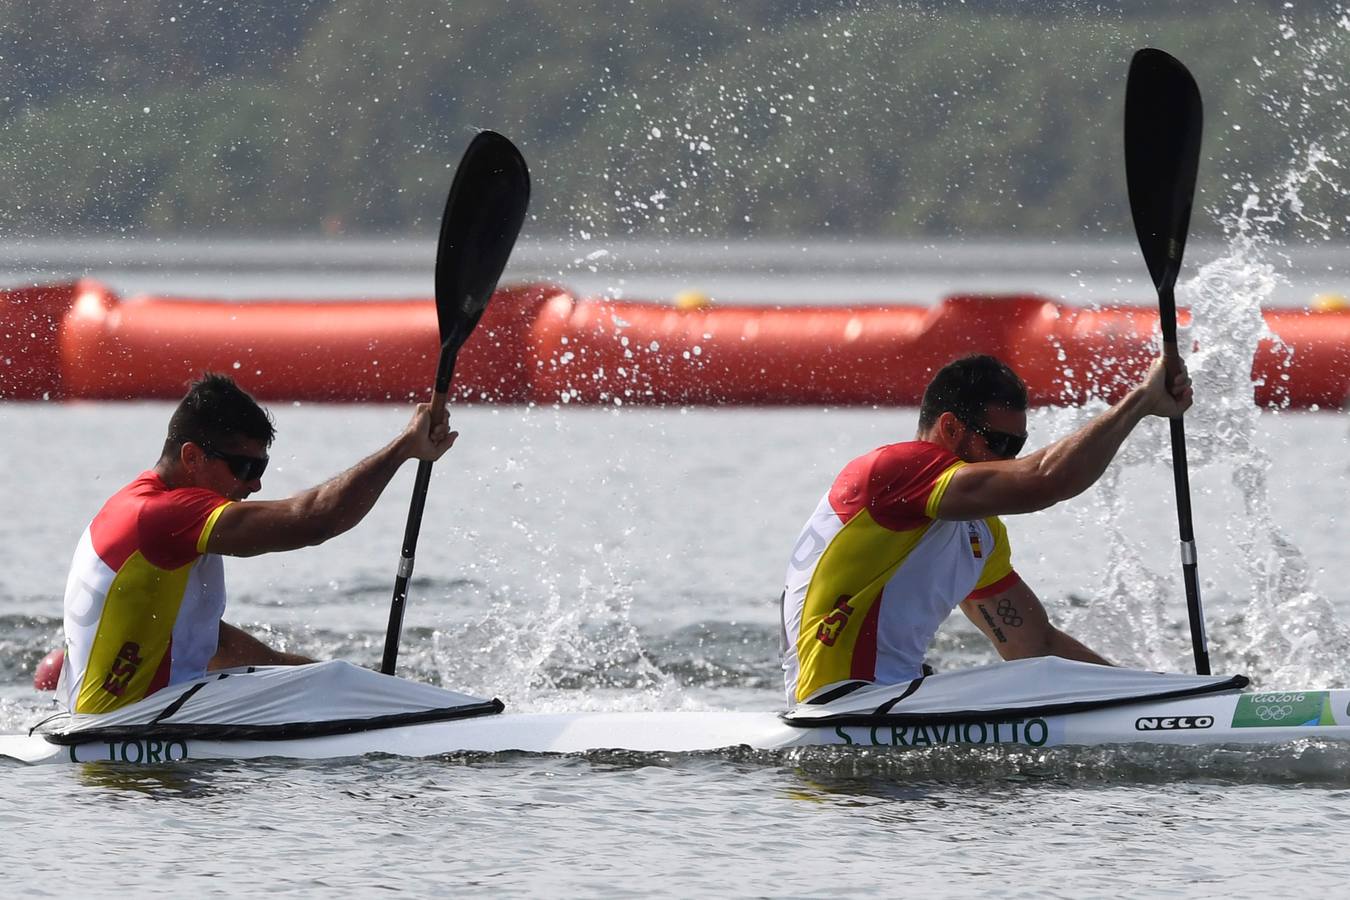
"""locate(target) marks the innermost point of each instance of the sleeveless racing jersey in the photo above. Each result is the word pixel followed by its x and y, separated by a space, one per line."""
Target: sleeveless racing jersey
pixel 143 601
pixel 874 574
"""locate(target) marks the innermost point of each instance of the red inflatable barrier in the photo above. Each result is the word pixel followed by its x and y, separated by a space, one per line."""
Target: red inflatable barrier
pixel 30 332
pixel 90 345
pixel 605 352
pixel 538 343
pixel 596 351
pixel 602 352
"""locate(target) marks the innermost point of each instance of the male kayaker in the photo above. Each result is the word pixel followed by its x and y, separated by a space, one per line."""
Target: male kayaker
pixel 146 589
pixel 910 531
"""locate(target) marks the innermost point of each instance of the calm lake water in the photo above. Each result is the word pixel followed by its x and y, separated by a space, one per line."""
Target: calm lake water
pixel 625 560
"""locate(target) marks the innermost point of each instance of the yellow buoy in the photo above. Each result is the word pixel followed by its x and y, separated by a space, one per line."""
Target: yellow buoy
pixel 687 300
pixel 1330 303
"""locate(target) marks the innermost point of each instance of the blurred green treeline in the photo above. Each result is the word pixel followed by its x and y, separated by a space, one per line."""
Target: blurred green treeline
pixel 701 118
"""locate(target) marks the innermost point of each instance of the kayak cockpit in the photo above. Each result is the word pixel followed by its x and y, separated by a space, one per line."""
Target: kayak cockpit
pixel 272 703
pixel 1043 686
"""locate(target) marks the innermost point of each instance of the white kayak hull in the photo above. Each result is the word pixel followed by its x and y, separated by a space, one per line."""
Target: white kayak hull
pixel 1218 719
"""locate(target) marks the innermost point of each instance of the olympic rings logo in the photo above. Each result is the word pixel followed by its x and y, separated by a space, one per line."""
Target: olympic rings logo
pixel 1274 713
pixel 1008 613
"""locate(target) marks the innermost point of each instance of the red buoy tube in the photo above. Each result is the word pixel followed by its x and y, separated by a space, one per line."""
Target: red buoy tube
pixel 48 671
pixel 339 350
pixel 538 343
pixel 596 351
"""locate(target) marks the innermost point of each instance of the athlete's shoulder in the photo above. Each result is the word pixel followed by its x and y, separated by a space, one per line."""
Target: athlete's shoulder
pixel 894 481
pixel 162 522
pixel 909 462
pixel 121 510
pixel 178 507
pixel 148 494
pixel 915 453
pixel 112 531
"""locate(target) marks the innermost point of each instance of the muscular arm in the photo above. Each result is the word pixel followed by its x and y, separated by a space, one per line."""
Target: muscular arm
pixel 1016 624
pixel 239 648
pixel 1067 467
pixel 249 528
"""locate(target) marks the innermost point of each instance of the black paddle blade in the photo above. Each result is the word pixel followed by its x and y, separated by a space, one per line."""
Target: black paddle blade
pixel 483 215
pixel 1163 120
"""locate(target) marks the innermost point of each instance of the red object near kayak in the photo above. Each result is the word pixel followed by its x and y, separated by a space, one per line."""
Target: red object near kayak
pixel 538 343
pixel 48 671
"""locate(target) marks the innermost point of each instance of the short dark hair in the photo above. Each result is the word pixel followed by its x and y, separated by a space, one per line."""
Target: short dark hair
pixel 214 411
pixel 970 385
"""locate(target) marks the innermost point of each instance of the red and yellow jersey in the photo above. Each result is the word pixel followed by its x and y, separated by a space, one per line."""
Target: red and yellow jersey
pixel 874 574
pixel 143 599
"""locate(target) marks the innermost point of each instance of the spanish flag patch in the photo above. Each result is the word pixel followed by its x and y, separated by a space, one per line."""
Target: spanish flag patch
pixel 975 549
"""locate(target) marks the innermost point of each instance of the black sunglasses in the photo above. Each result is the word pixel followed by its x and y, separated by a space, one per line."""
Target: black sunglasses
pixel 245 468
pixel 1000 443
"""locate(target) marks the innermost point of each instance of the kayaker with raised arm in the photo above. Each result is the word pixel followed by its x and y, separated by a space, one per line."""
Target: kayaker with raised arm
pixel 146 590
pixel 910 531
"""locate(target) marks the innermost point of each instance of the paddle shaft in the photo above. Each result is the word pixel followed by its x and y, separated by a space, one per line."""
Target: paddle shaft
pixel 445 371
pixel 483 214
pixel 1190 574
pixel 1164 119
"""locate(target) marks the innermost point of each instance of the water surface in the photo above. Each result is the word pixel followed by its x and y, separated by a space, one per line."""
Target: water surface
pixel 596 559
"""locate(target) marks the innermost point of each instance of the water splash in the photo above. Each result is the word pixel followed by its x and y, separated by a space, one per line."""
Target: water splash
pixel 551 626
pixel 536 655
pixel 1285 632
pixel 1288 633
pixel 1152 639
pixel 1279 629
pixel 1308 198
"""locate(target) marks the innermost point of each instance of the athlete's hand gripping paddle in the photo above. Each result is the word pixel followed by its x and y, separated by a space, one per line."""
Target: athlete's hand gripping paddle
pixel 483 215
pixel 1163 121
